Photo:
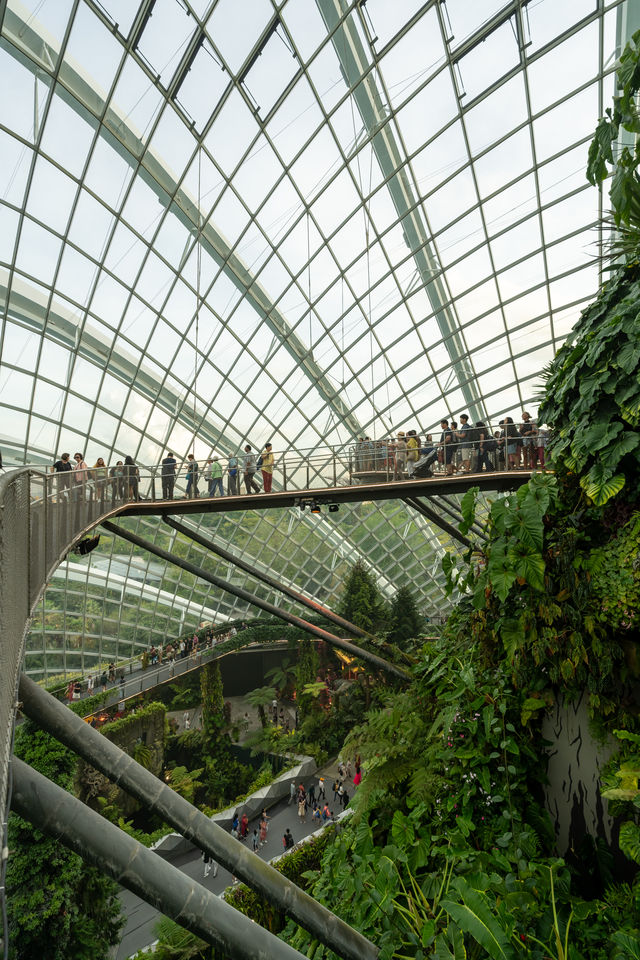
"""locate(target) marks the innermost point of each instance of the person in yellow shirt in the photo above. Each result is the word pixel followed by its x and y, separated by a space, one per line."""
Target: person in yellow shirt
pixel 267 467
pixel 413 452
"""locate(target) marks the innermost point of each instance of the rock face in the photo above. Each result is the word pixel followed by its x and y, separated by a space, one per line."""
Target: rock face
pixel 575 761
pixel 141 735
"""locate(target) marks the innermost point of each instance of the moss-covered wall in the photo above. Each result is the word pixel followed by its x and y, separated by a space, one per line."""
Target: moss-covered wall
pixel 141 735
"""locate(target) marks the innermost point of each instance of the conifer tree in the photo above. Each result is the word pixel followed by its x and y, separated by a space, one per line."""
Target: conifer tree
pixel 406 622
pixel 362 602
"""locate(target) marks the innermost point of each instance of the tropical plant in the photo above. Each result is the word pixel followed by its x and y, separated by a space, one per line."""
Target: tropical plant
pixel 185 782
pixel 260 698
pixel 282 678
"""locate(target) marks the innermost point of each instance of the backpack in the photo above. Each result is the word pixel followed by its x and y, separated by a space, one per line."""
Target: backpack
pixel 259 462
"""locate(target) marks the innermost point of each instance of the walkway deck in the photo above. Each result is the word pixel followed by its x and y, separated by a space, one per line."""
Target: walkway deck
pixel 356 493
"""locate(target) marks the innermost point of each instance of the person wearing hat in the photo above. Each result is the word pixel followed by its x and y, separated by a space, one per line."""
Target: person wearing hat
pixel 215 478
pixel 401 456
pixel 267 467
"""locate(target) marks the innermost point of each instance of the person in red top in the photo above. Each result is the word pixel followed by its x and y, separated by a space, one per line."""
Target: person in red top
pixel 244 826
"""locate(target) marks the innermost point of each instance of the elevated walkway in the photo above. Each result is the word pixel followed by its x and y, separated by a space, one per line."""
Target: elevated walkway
pixel 42 516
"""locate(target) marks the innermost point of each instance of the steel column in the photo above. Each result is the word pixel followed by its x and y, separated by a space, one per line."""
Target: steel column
pixel 71 730
pixel 438 520
pixel 62 816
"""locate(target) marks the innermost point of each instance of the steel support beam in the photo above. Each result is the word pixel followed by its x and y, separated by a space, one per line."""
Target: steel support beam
pixel 354 62
pixel 312 605
pixel 437 519
pixel 215 581
pixel 453 510
pixel 204 833
pixel 62 816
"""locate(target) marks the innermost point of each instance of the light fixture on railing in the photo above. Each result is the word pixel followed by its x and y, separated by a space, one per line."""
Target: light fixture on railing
pixel 333 508
pixel 314 507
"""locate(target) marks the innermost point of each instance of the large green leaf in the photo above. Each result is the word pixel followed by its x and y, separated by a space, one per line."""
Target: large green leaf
pixel 474 917
pixel 628 356
pixel 528 563
pixel 450 945
pixel 627 945
pixel 500 571
pixel 526 523
pixel 627 443
pixel 599 435
pixel 512 636
pixel 600 486
pixel 468 509
pixel 629 840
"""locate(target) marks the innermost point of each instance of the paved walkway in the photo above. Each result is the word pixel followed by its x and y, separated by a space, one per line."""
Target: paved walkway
pixel 141 917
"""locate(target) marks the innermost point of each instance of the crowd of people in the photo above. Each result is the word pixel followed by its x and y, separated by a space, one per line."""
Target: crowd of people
pixel 461 447
pixel 78 480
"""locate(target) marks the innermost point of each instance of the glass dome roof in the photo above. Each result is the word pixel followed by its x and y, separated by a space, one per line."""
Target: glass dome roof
pixel 298 221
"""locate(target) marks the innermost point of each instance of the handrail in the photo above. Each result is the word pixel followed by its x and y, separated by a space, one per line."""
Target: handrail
pixel 361 462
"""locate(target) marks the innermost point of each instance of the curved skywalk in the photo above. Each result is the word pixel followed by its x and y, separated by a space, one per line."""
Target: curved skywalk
pixel 299 222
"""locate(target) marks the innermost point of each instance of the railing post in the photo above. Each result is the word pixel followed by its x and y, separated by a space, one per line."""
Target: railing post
pixel 308 481
pixel 284 473
pixel 335 469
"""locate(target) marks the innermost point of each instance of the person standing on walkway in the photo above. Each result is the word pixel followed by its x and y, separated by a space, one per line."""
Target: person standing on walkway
pixel 267 467
pixel 302 809
pixel 263 832
pixel 232 474
pixel 80 474
pixel 255 840
pixel 292 793
pixel 249 469
pixel 168 474
pixel 287 840
pixel 63 468
pixel 192 477
pixel 321 794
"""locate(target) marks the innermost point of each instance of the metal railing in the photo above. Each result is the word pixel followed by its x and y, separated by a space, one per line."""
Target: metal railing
pixel 360 462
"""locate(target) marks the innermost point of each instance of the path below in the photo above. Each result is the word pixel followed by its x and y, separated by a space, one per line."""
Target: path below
pixel 139 930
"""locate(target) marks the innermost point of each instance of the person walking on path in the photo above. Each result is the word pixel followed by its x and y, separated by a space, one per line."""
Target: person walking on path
pixel 215 478
pixel 232 477
pixel 255 840
pixel 292 793
pixel 287 840
pixel 267 467
pixel 263 832
pixel 208 864
pixel 244 826
pixel 302 809
pixel 321 794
